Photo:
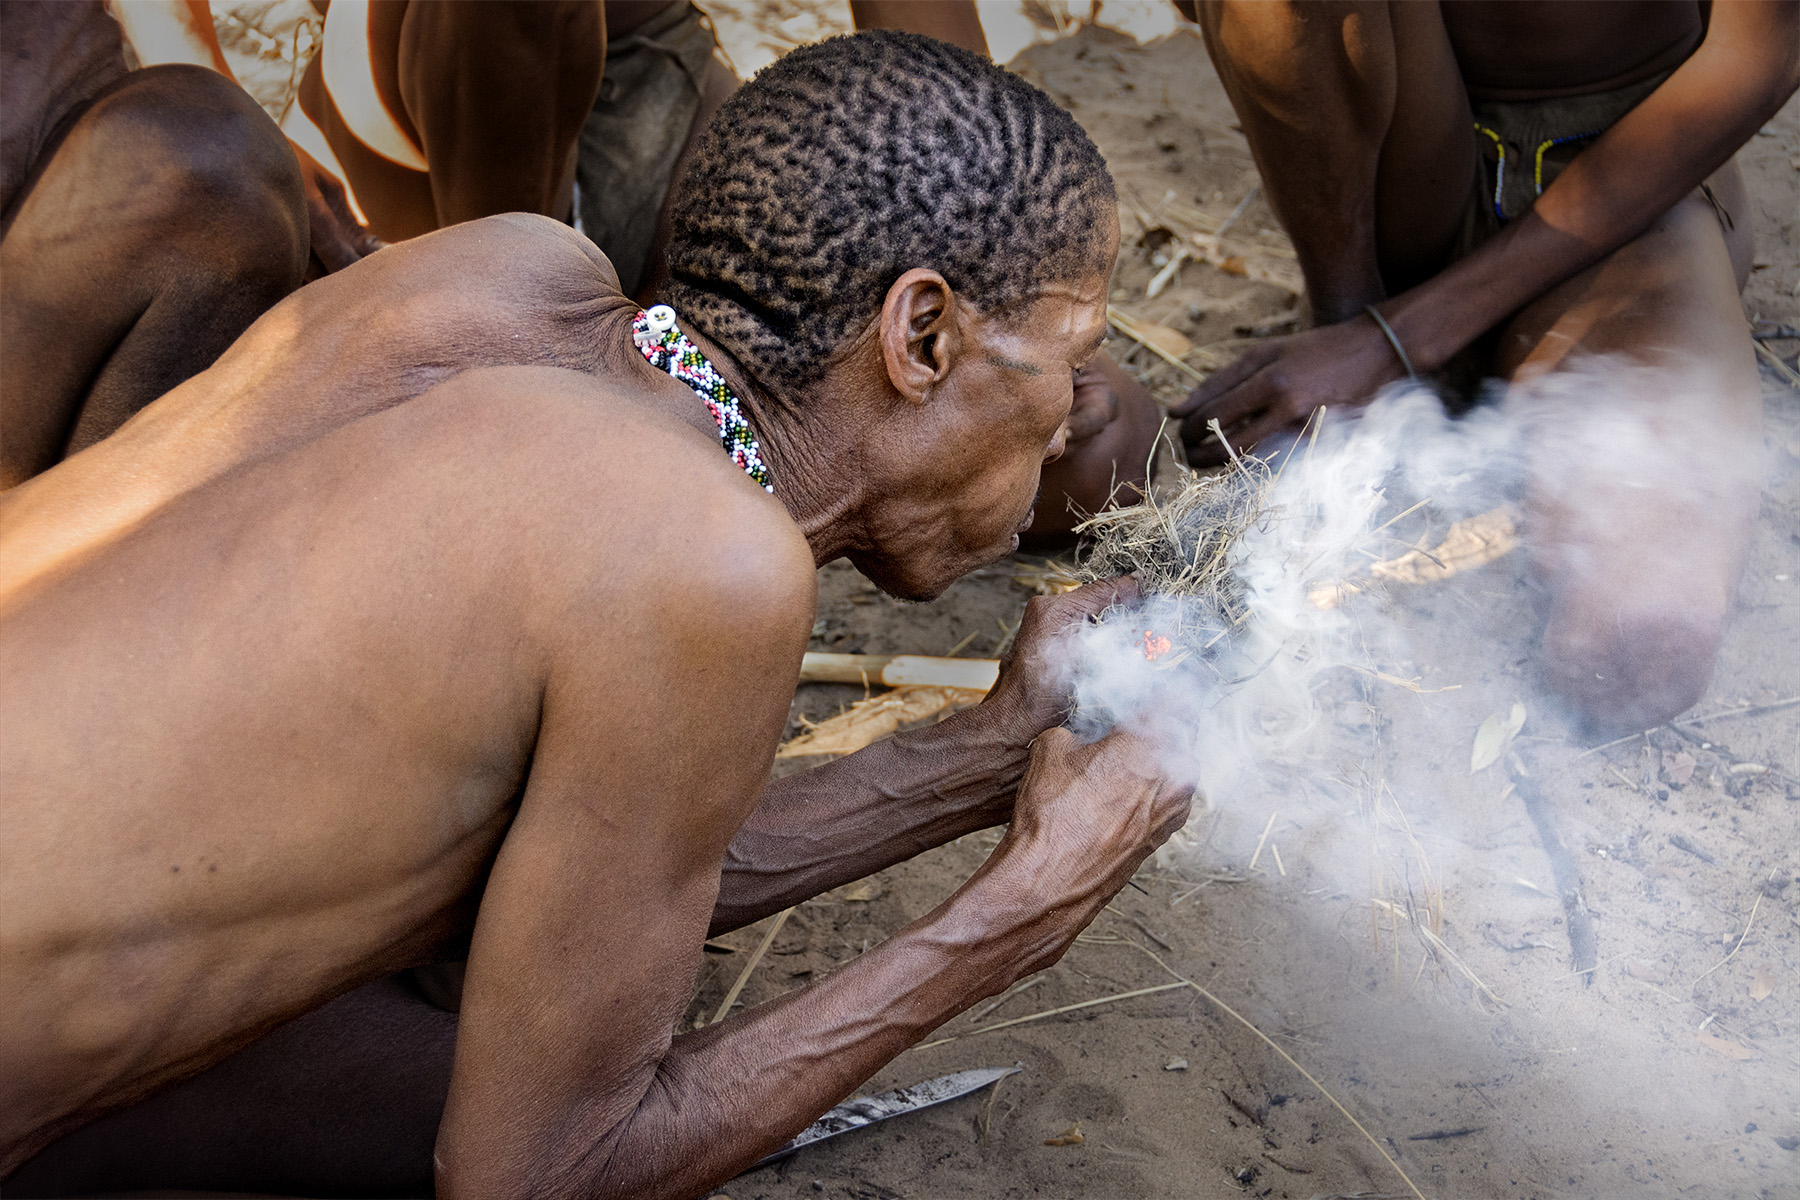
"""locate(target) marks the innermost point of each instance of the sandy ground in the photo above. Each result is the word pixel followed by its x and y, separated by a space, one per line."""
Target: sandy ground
pixel 1676 1073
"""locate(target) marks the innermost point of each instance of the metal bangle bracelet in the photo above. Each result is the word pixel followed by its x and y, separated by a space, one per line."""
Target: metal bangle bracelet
pixel 1393 340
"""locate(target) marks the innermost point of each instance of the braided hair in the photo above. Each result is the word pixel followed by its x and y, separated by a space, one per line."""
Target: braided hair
pixel 848 162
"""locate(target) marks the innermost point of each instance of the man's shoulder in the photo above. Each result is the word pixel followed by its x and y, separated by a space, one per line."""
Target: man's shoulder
pixel 621 489
pixel 508 245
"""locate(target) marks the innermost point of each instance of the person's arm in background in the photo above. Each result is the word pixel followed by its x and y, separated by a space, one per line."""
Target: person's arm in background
pixel 1735 81
pixel 181 31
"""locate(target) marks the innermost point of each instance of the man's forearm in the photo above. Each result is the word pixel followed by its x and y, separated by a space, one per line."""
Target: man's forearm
pixel 884 804
pixel 1618 188
pixel 733 1092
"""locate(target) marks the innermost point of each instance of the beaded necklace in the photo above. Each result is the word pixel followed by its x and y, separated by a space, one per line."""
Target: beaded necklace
pixel 668 349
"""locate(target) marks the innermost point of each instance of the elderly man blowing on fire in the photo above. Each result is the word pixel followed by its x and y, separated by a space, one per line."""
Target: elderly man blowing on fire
pixel 434 618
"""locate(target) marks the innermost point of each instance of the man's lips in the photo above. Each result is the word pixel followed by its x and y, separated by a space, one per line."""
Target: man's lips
pixel 1031 514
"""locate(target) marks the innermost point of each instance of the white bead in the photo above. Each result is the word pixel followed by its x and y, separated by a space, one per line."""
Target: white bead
pixel 661 318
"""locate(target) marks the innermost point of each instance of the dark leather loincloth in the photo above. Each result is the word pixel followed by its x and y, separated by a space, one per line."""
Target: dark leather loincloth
pixel 1521 145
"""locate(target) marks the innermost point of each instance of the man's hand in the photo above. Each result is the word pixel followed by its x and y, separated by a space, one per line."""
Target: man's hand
pixel 1277 385
pixel 338 238
pixel 1033 692
pixel 1086 818
pixel 1096 404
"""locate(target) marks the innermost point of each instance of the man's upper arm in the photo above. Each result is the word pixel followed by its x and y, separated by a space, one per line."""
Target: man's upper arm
pixel 659 716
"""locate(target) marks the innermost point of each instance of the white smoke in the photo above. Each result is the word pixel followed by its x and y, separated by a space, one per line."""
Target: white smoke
pixel 1256 718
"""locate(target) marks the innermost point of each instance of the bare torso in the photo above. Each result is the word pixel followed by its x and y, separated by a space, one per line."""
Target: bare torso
pixel 297 557
pixel 1527 49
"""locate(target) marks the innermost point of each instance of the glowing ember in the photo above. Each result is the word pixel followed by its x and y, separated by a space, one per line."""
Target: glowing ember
pixel 1155 645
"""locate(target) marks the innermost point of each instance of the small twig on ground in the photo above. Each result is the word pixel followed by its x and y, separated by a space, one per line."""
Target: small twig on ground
pixel 1749 710
pixel 1774 360
pixel 1753 710
pixel 1734 949
pixel 1008 994
pixel 737 988
pixel 1438 1135
pixel 1584 943
pixel 1259 841
pixel 1051 1012
pixel 987 1108
pixel 1681 843
pixel 1125 324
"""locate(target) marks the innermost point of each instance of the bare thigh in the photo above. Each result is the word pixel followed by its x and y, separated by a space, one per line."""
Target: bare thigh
pixel 1644 489
pixel 343 1101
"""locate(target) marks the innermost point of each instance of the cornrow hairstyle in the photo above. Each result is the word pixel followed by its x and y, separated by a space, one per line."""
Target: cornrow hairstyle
pixel 848 162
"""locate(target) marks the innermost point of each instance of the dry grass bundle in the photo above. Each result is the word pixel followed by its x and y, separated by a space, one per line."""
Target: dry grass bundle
pixel 1178 542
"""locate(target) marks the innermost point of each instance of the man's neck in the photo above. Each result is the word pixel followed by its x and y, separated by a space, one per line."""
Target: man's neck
pixel 808 465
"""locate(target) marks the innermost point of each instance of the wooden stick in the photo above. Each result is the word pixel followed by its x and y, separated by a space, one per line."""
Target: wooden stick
pixel 1768 356
pixel 896 670
pixel 1123 322
pixel 737 989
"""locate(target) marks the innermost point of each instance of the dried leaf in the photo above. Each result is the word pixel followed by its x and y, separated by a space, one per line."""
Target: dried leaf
pixel 1467 544
pixel 1170 341
pixel 1068 1137
pixel 1494 736
pixel 1762 985
pixel 1728 1049
pixel 1640 970
pixel 875 718
pixel 1235 265
pixel 1678 766
pixel 863 891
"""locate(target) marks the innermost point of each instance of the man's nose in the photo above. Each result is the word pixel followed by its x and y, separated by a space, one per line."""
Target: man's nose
pixel 1058 444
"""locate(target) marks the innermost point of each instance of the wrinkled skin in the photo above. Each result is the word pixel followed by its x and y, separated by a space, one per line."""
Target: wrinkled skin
pixel 418 653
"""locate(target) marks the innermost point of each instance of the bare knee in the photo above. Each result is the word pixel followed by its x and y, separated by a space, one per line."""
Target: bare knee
pixel 1625 662
pixel 1288 53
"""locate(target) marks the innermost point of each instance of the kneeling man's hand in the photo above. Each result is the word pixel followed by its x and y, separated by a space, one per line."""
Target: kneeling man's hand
pixel 1033 691
pixel 1278 384
pixel 1088 816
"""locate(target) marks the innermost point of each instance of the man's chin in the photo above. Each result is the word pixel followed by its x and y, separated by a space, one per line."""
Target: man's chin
pixel 932 580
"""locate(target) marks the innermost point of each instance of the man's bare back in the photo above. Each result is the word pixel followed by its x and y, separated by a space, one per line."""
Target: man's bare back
pixel 434 616
pixel 389 755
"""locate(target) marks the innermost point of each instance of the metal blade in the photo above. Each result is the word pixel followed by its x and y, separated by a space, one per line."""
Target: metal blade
pixel 854 1114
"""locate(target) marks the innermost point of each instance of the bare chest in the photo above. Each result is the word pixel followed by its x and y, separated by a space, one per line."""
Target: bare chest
pixel 1524 49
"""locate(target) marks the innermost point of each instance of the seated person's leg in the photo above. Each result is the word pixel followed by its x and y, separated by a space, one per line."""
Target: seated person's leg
pixel 166 220
pixel 342 1101
pixel 953 21
pixel 498 93
pixel 1644 501
pixel 1359 124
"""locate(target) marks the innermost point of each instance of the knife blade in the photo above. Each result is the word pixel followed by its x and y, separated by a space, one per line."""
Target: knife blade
pixel 867 1110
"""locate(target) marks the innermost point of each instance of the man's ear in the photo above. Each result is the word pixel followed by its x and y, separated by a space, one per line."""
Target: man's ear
pixel 920 333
